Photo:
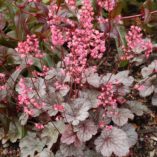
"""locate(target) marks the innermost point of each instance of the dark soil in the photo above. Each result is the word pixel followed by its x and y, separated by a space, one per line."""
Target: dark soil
pixel 147 136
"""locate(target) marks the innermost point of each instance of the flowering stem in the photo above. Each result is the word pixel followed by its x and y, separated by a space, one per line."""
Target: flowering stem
pixel 138 15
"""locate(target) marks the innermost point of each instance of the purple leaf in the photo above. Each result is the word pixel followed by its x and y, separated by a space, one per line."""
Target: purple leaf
pixel 121 116
pixel 86 130
pixel 91 96
pixel 68 135
pixel 112 141
pixel 77 110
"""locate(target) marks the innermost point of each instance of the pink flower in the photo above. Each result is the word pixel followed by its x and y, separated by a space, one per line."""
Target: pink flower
pixel 86 14
pixel 107 4
pixel 108 127
pixel 33 0
pixel 30 46
pixel 139 87
pixel 136 44
pixel 57 36
pixel 2 75
pixel 71 3
pixel 58 107
pixel 107 96
pixel 39 126
pixel 25 101
pixel 3 87
pixel 101 124
pixel 28 111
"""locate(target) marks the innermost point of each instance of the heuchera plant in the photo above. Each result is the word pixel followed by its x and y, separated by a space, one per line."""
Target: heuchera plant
pixel 72 87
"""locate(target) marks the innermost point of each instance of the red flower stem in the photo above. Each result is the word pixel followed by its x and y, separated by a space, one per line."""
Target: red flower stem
pixel 138 15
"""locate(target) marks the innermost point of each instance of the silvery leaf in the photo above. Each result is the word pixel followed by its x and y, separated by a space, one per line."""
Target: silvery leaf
pixel 131 134
pixel 77 111
pixel 121 116
pixel 112 141
pixel 154 99
pixel 31 144
pixel 85 130
pixel 91 96
pixel 137 107
pixel 45 153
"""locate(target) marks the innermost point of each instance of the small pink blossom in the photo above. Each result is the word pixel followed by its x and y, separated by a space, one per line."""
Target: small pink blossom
pixel 108 127
pixel 28 111
pixel 39 126
pixel 59 117
pixel 71 3
pixel 3 87
pixel 58 107
pixel 33 0
pixel 139 87
pixel 136 44
pixel 57 36
pixel 30 46
pixel 101 124
pixel 107 96
pixel 109 5
pixel 2 75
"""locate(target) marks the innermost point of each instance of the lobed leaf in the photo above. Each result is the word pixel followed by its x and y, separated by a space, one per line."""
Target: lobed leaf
pixel 112 141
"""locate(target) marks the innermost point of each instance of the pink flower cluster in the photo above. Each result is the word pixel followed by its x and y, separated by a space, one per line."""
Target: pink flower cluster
pixel 136 44
pixel 39 126
pixel 139 87
pixel 30 46
pixel 81 38
pixel 71 3
pixel 2 76
pixel 82 42
pixel 107 96
pixel 58 107
pixel 2 80
pixel 25 100
pixel 34 0
pixel 3 87
pixel 86 15
pixel 58 33
pixel 108 5
pixel 57 37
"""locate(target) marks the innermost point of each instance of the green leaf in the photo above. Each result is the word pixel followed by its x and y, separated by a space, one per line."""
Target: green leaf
pixel 46 1
pixel 124 64
pixel 2 106
pixel 15 131
pixel 8 43
pixel 48 60
pixel 121 31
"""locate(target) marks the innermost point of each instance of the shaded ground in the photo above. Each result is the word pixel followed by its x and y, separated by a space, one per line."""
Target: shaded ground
pixel 147 132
